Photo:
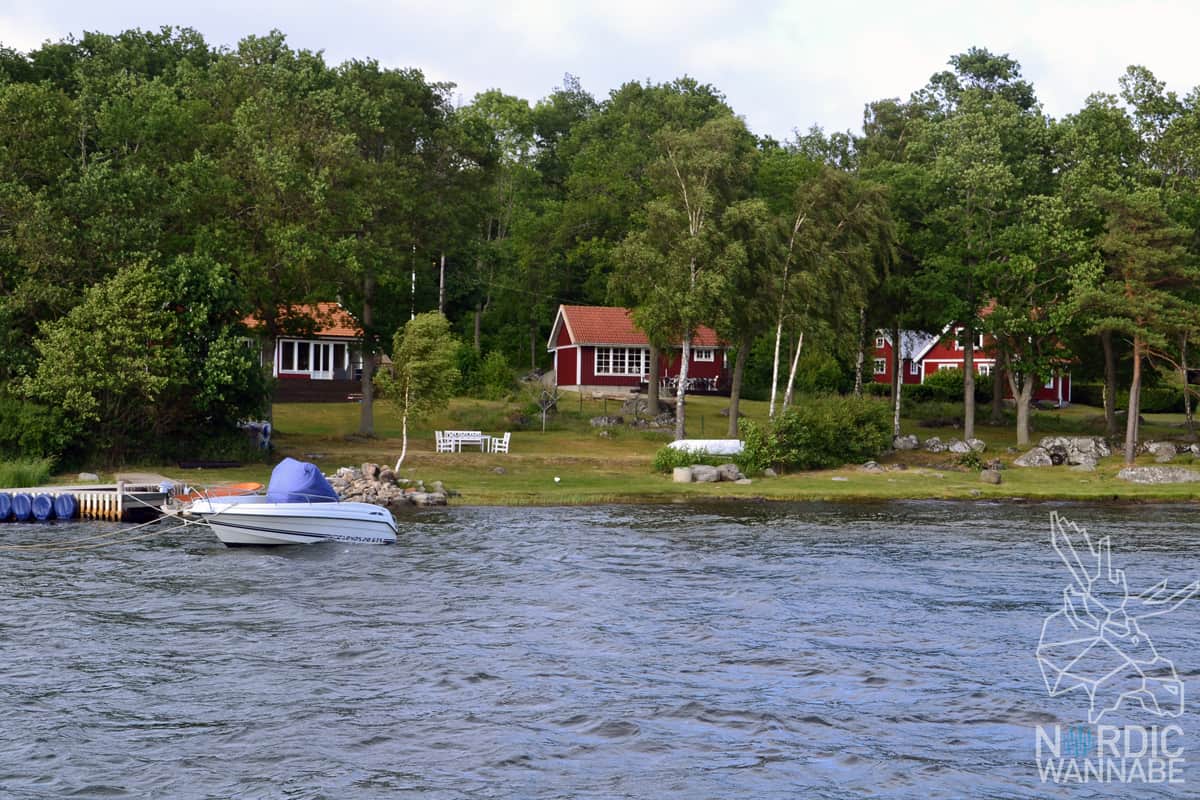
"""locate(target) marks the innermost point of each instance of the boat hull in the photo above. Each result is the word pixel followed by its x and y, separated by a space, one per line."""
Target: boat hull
pixel 243 521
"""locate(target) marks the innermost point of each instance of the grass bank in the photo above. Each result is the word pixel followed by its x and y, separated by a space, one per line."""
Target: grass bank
pixel 598 466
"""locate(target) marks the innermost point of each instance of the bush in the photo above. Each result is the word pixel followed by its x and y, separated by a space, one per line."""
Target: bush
pixel 1155 399
pixel 495 376
pixel 25 472
pixel 877 389
pixel 32 431
pixel 824 432
pixel 469 364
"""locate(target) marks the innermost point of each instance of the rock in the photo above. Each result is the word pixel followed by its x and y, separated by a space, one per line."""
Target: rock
pixel 682 475
pixel 703 473
pixel 428 499
pixel 1083 466
pixel 1163 452
pixel 871 466
pixel 909 442
pixel 499 470
pixel 89 477
pixel 1036 457
pixel 438 487
pixel 995 464
pixel 640 407
pixel 770 473
pixel 606 422
pixel 663 420
pixel 978 445
pixel 958 446
pixel 386 475
pixel 990 476
pixel 1075 448
pixel 934 445
pixel 605 433
pixel 370 471
pixel 729 472
pixel 1158 475
pixel 744 481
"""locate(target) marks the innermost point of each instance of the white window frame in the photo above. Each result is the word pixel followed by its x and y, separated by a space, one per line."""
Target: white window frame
pixel 984 369
pixel 704 354
pixel 881 366
pixel 948 366
pixel 880 342
pixel 914 368
pixel 614 362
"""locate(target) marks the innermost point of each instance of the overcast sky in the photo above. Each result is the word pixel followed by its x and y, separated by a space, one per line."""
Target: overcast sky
pixel 782 64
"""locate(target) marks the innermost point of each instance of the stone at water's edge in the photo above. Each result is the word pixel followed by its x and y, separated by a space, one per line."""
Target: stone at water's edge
pixel 379 486
pixel 682 475
pixel 702 473
pixel 990 476
pixel 1157 475
pixel 1163 452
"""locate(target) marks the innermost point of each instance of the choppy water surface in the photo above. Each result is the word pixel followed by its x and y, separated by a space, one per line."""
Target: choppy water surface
pixel 669 651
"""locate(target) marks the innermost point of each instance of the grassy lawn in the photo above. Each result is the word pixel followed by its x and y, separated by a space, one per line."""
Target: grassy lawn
pixel 595 468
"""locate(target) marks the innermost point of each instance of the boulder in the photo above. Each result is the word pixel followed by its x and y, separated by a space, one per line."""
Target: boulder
pixel 871 466
pixel 1075 448
pixel 703 473
pixel 990 476
pixel 89 477
pixel 770 473
pixel 370 471
pixel 909 442
pixel 1036 457
pixel 663 420
pixel 744 481
pixel 427 499
pixel 1083 466
pixel 682 475
pixel 934 445
pixel 639 406
pixel 499 470
pixel 729 472
pixel 606 421
pixel 1163 452
pixel 978 445
pixel 958 447
pixel 1158 475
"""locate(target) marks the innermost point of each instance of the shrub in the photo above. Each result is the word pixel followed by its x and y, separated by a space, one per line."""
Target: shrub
pixel 824 432
pixel 469 364
pixel 31 431
pixel 495 376
pixel 25 472
pixel 877 389
pixel 668 458
pixel 1155 399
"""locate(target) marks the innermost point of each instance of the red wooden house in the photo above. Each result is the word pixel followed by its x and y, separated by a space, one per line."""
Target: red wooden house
pixel 322 364
pixel 945 351
pixel 600 348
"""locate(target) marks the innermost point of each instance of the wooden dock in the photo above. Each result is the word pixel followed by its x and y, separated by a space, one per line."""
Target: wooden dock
pixel 133 498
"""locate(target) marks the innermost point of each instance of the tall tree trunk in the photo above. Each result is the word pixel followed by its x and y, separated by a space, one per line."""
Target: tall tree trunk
pixel 862 351
pixel 791 384
pixel 969 382
pixel 652 379
pixel 366 417
pixel 1188 416
pixel 735 386
pixel 897 378
pixel 682 388
pixel 403 432
pixel 775 366
pixel 1110 384
pixel 999 376
pixel 1023 395
pixel 1135 402
pixel 532 345
pixel 442 286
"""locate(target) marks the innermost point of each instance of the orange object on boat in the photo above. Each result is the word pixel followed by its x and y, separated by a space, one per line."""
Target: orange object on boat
pixel 228 490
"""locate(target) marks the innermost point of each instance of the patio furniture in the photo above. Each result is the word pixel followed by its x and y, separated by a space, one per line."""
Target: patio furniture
pixel 458 438
pixel 500 443
pixel 442 442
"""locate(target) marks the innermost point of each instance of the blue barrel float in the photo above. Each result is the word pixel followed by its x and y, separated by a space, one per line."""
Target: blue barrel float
pixel 5 506
pixel 43 507
pixel 66 506
pixel 22 506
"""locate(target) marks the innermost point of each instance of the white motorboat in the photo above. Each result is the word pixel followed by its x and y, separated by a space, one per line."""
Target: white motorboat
pixel 300 507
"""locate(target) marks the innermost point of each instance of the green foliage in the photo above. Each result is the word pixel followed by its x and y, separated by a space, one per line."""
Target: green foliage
pixel 30 430
pixel 25 472
pixel 823 432
pixel 424 374
pixel 946 386
pixel 972 459
pixel 495 376
pixel 877 389
pixel 668 458
pixel 469 369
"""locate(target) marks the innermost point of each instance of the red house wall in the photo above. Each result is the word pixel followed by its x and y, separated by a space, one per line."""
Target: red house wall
pixel 885 353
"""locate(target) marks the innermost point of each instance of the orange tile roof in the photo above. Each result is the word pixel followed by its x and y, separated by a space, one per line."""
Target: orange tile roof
pixel 612 325
pixel 329 319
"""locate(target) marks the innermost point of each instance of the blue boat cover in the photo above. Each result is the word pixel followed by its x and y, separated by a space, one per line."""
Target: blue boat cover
pixel 295 481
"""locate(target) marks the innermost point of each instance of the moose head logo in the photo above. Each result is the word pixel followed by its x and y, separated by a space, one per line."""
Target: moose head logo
pixel 1095 642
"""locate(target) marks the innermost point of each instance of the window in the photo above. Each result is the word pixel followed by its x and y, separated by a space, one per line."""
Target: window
pixel 984 369
pixel 880 342
pixel 704 354
pixel 914 368
pixel 622 361
pixel 1049 382
pixel 958 340
pixel 947 366
pixel 880 366
pixel 287 356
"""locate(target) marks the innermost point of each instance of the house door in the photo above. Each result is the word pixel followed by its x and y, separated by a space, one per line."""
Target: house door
pixel 322 361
